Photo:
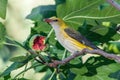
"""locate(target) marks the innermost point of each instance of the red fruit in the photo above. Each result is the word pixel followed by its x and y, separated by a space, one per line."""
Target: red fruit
pixel 38 43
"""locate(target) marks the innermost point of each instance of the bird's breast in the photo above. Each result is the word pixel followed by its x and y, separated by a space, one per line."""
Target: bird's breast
pixel 67 42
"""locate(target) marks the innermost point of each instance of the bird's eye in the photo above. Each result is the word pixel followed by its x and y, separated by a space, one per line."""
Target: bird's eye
pixel 55 20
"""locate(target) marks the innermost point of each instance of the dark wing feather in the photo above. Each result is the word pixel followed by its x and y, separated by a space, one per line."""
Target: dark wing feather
pixel 77 36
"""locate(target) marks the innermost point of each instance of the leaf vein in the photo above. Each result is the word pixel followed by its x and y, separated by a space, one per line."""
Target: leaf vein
pixel 79 10
pixel 89 17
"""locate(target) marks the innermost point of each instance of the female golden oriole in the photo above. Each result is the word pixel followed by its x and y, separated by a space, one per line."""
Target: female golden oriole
pixel 70 39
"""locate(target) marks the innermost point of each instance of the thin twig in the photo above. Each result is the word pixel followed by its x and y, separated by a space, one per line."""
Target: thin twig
pixel 63 57
pixel 40 60
pixel 26 65
pixel 26 70
pixel 114 3
pixel 55 63
pixel 49 35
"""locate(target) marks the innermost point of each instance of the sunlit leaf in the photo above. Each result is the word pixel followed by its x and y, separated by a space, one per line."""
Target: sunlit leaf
pixel 76 12
pixel 100 30
pixel 3 6
pixel 18 58
pixel 41 28
pixel 113 47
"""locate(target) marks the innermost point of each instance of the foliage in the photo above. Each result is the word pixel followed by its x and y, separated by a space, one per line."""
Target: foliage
pixel 96 20
pixel 2 34
pixel 3 6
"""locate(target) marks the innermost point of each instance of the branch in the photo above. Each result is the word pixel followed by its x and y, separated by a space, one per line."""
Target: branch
pixel 55 63
pixel 114 3
pixel 105 54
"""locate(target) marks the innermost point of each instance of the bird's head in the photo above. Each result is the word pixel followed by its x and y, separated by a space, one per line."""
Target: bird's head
pixel 55 21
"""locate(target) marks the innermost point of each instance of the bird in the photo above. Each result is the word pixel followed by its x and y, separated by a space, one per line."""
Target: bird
pixel 69 38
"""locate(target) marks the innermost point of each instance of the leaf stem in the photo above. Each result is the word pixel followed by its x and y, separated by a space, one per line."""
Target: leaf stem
pixel 63 57
pixel 26 70
pixel 49 34
pixel 17 44
pixel 64 54
pixel 10 44
pixel 25 67
pixel 52 74
pixel 88 6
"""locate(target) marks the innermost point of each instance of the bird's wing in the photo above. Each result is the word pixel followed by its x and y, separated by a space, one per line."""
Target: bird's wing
pixel 77 36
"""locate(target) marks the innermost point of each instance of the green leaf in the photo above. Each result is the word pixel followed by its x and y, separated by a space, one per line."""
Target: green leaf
pixel 76 12
pixel 61 76
pixel 115 75
pixel 22 79
pixel 59 1
pixel 38 14
pixel 93 18
pixel 107 70
pixel 42 12
pixel 2 33
pixel 100 34
pixel 113 47
pixel 41 68
pixel 52 40
pixel 100 30
pixel 35 15
pixel 68 75
pixel 98 68
pixel 7 77
pixel 76 61
pixel 116 36
pixel 1 78
pixel 19 58
pixel 12 67
pixel 45 56
pixel 55 52
pixel 17 64
pixel 41 28
pixel 80 71
pixel 3 6
pixel 47 75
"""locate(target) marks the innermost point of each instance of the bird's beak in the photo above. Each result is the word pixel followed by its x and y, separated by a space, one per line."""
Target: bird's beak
pixel 48 20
